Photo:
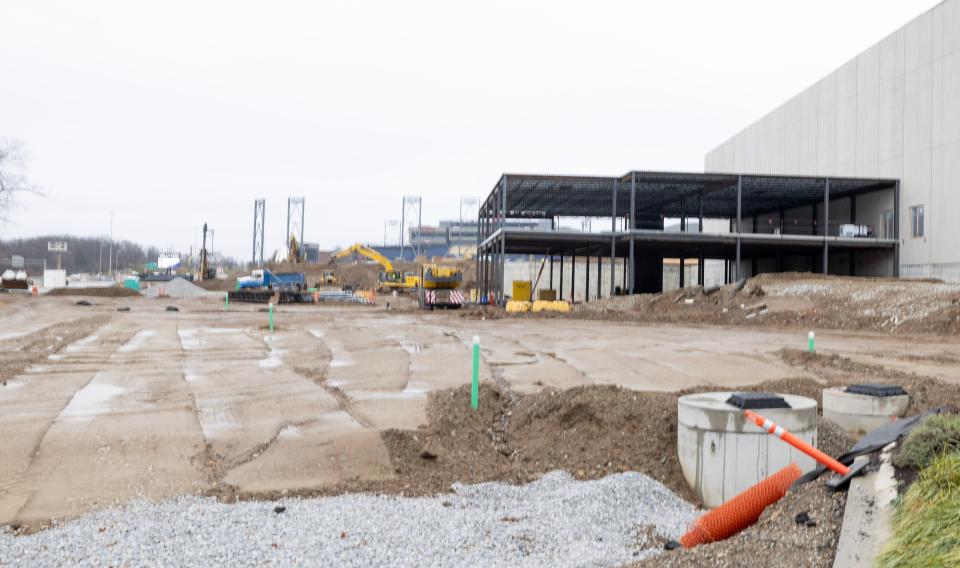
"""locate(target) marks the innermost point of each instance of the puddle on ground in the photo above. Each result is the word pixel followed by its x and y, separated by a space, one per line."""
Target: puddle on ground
pixel 90 401
pixel 188 339
pixel 273 359
pixel 216 420
pixel 80 344
pixel 137 341
pixel 289 432
pixel 411 347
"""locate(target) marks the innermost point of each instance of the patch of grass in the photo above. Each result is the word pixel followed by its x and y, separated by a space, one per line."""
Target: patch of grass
pixel 927 520
pixel 934 436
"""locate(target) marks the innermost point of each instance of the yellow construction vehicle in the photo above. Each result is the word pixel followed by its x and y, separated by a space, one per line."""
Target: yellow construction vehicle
pixel 390 278
pixel 328 278
pixel 293 251
pixel 441 286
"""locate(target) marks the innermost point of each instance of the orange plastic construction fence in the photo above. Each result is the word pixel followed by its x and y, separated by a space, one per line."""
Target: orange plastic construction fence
pixel 741 511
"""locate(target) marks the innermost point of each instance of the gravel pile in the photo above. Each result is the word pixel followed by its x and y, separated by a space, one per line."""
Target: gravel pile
pixel 555 521
pixel 176 288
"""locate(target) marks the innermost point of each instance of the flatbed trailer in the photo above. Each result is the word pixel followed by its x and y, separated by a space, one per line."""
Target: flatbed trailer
pixel 260 296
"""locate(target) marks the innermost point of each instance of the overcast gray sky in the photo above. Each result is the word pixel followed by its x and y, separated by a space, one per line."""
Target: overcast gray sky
pixel 173 114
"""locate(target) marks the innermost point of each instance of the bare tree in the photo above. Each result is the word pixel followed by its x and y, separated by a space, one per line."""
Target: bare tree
pixel 13 176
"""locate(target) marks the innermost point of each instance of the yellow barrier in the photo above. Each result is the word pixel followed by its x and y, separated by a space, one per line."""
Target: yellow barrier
pixel 540 306
pixel 517 307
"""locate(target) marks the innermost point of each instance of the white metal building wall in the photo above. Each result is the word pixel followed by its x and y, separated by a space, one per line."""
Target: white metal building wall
pixel 893 111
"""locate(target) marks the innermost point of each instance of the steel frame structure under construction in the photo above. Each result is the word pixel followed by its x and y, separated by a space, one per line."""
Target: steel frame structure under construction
pixel 637 203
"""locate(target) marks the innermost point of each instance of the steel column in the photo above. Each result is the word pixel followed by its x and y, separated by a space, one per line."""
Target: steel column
pixel 896 229
pixel 573 277
pixel 826 227
pixel 586 297
pixel 503 239
pixel 852 258
pixel 613 238
pixel 479 267
pixel 701 279
pixel 700 205
pixel 560 297
pixel 739 220
pixel 599 274
pixel 633 224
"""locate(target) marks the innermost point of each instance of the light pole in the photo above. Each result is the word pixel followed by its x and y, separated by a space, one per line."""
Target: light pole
pixel 100 262
pixel 110 263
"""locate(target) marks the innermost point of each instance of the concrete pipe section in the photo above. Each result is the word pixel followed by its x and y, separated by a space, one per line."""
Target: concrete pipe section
pixel 721 453
pixel 859 409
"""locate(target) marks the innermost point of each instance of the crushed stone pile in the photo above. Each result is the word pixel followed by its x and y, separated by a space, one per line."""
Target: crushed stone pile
pixel 554 521
pixel 176 288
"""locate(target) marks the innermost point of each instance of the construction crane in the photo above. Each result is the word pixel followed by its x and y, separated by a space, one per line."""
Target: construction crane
pixel 390 278
pixel 206 273
pixel 441 286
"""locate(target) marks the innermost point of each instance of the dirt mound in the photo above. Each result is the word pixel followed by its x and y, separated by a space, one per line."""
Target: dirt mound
pixel 798 300
pixel 100 292
pixel 926 393
pixel 590 431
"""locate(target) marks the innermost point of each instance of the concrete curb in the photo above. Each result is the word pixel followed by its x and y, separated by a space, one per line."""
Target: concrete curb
pixel 867 516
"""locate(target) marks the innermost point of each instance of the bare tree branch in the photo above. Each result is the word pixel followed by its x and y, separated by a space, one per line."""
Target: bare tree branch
pixel 13 173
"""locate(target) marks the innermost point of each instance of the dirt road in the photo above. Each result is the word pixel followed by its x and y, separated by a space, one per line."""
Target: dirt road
pixel 99 406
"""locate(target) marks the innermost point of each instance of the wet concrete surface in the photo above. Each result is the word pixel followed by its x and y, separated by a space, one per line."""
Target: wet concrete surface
pixel 155 403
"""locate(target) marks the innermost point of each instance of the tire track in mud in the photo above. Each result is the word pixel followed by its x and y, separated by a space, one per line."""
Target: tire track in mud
pixel 118 340
pixel 20 353
pixel 321 376
pixel 208 460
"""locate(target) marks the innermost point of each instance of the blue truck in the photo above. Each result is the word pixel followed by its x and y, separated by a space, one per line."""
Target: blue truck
pixel 269 280
pixel 264 285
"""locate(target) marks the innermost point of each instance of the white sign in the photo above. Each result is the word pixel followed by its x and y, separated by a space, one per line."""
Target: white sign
pixel 168 260
pixel 16 261
pixel 57 246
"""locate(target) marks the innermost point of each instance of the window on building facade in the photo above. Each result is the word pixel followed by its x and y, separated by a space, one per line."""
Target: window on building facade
pixel 916 221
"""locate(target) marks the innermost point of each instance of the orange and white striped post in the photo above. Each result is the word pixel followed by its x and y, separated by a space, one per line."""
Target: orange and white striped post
pixel 822 458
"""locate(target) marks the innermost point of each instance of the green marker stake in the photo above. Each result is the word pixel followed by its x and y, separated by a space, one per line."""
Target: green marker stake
pixel 475 390
pixel 810 342
pixel 271 317
pixel 226 301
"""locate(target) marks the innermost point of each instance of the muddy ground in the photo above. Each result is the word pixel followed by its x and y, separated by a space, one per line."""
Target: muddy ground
pixel 804 300
pixel 344 398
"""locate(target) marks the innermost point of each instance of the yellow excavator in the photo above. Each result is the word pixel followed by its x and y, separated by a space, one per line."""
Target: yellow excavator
pixel 390 278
